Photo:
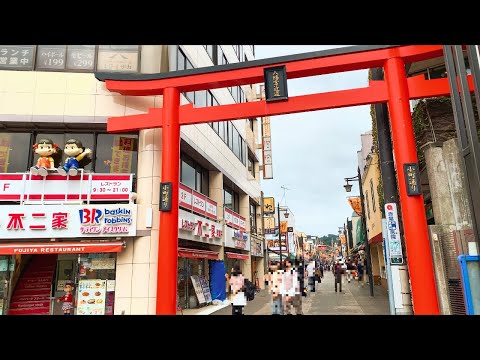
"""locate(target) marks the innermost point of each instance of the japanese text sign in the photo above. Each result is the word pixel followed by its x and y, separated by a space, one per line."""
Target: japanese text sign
pixel 275 83
pixel 165 196
pixel 412 178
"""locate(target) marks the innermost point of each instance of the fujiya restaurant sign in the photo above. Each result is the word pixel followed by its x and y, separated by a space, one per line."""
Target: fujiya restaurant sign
pixel 198 228
pixel 192 200
pixel 67 221
pixel 234 220
pixel 18 187
pixel 237 239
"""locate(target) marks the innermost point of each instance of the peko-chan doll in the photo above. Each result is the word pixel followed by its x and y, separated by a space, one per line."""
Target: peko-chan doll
pixel 78 157
pixel 49 155
pixel 67 299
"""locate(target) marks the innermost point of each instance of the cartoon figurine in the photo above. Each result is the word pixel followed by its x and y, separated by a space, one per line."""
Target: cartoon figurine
pixel 78 157
pixel 49 152
pixel 67 299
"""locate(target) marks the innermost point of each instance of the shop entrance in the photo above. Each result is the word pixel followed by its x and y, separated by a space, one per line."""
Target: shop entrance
pixel 43 278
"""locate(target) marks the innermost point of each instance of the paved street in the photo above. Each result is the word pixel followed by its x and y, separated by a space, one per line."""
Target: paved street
pixel 353 300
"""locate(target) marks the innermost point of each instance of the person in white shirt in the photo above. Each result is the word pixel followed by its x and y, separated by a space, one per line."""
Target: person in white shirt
pixel 311 276
pixel 291 287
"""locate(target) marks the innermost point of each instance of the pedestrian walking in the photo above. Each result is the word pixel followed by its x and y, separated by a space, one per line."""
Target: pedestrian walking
pixel 349 269
pixel 311 276
pixel 274 282
pixel 360 272
pixel 237 283
pixel 338 269
pixel 291 288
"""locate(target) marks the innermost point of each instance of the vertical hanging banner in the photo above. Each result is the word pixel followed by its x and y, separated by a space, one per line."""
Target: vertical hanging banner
pixel 122 151
pixel 267 148
pixel 393 234
pixel 268 205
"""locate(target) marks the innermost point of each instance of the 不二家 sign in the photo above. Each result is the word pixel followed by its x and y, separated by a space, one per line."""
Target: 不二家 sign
pixel 275 83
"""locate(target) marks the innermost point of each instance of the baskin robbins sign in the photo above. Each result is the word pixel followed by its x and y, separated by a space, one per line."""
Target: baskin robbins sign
pixel 67 221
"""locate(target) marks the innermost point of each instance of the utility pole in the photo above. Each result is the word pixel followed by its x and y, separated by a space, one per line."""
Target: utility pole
pixel 390 192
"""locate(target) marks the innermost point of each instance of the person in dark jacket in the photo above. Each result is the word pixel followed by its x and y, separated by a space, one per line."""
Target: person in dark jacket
pixel 338 270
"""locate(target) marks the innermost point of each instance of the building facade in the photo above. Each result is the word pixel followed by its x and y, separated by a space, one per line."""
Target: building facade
pixel 100 229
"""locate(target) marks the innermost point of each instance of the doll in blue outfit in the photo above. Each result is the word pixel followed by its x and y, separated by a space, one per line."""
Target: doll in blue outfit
pixel 78 157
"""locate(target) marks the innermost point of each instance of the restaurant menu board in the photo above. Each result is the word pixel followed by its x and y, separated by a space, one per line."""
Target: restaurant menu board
pixel 91 297
pixel 197 285
pixel 205 289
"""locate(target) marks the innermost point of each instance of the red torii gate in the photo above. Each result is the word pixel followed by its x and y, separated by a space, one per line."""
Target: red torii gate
pixel 396 90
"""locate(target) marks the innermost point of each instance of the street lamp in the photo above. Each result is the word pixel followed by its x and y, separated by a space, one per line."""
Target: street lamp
pixel 348 188
pixel 285 209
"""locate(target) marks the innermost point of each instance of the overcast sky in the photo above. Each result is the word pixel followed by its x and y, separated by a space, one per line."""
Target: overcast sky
pixel 314 151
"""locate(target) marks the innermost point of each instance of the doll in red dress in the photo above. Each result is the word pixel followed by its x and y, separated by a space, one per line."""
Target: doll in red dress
pixel 49 154
pixel 67 299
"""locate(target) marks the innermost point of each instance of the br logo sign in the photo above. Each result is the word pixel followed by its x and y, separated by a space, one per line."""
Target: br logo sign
pixel 90 216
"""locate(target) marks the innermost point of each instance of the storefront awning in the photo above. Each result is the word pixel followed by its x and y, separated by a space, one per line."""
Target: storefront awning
pixel 236 256
pixel 60 247
pixel 197 254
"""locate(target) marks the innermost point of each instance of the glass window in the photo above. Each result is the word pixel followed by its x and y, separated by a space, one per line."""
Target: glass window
pixel 221 130
pixel 81 57
pixel 198 184
pixel 116 153
pixel 236 202
pixel 51 57
pixel 200 98
pixel 121 58
pixel 372 191
pixel 227 198
pixel 251 166
pixel 235 93
pixel 220 55
pixel 205 183
pixel 209 98
pixel 230 135
pixel 14 152
pixel 236 142
pixel 180 60
pixel 209 49
pixel 187 175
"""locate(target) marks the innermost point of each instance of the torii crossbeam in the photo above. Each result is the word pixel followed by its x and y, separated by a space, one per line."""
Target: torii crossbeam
pixel 396 90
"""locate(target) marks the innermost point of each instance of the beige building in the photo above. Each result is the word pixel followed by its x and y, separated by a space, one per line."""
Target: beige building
pixel 50 92
pixel 370 180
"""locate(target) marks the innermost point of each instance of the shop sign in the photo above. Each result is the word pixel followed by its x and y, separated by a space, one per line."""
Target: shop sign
pixel 393 234
pixel 198 227
pixel 256 248
pixel 197 285
pixel 199 203
pixel 26 187
pixel 412 179
pixel 276 83
pixel 165 196
pixel 234 220
pixel 67 221
pixel 91 297
pixel 237 239
pixel 268 205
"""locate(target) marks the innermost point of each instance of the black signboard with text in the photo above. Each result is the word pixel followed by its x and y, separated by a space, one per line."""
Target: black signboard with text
pixel 412 179
pixel 275 83
pixel 165 196
pixel 17 57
